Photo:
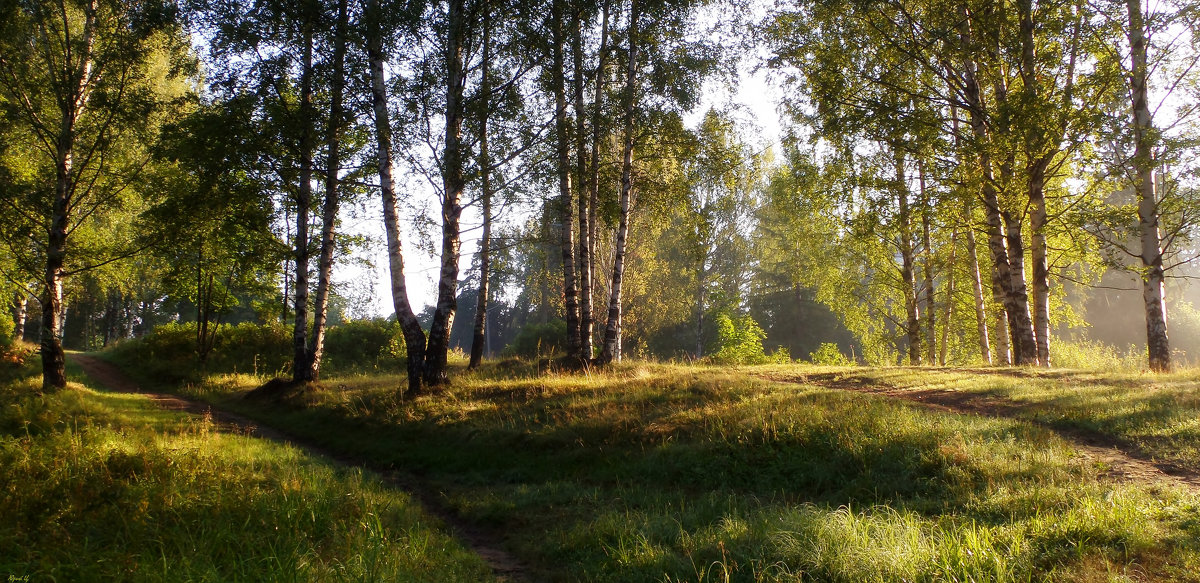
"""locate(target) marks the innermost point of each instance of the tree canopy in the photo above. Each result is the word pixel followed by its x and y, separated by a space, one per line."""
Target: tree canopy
pixel 955 181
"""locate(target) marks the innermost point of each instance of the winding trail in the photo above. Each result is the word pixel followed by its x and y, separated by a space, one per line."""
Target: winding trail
pixel 1121 460
pixel 484 543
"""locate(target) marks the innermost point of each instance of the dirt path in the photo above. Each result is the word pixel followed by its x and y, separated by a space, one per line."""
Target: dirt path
pixel 505 567
pixel 1120 460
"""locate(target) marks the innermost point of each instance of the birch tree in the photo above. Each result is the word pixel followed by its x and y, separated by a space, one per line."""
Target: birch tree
pixel 663 69
pixel 1149 153
pixel 329 215
pixel 87 82
pixel 377 24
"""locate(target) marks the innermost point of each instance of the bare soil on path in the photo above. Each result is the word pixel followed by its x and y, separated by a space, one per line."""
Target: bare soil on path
pixel 1119 459
pixel 484 543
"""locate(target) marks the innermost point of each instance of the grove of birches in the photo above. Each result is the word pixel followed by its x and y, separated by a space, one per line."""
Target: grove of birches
pixel 936 182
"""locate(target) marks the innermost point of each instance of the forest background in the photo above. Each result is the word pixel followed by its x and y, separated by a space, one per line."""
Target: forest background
pixel 953 182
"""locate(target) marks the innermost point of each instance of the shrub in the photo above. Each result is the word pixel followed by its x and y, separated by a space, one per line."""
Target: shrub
pixel 169 351
pixel 1094 355
pixel 538 340
pixel 364 345
pixel 781 356
pixel 7 328
pixel 739 341
pixel 828 354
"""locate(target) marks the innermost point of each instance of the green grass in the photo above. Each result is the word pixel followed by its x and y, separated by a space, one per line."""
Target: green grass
pixel 108 487
pixel 671 473
pixel 1158 414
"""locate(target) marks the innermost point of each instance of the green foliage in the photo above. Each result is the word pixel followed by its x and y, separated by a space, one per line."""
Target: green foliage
pixel 1093 355
pixel 108 487
pixel 828 354
pixel 169 352
pixel 363 346
pixel 7 327
pixel 539 340
pixel 781 356
pixel 739 340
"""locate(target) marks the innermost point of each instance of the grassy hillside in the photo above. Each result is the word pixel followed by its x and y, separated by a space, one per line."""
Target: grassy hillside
pixel 673 473
pixel 108 487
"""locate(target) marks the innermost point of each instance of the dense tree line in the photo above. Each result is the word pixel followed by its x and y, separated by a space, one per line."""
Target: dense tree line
pixel 952 177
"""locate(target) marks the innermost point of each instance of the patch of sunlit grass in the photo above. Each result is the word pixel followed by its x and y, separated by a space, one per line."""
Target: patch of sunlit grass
pixel 100 486
pixel 1157 413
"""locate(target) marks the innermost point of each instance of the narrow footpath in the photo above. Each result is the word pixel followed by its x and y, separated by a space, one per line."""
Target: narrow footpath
pixel 504 566
pixel 1120 460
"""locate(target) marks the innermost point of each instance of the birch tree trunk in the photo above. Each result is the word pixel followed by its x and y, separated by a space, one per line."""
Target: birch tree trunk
pixel 585 243
pixel 72 102
pixel 612 332
pixel 300 357
pixel 453 182
pixel 329 215
pixel 1000 278
pixel 927 269
pixel 1153 292
pixel 1020 324
pixel 20 306
pixel 700 283
pixel 985 349
pixel 414 336
pixel 479 332
pixel 594 169
pixel 948 313
pixel 908 279
pixel 566 215
pixel 1041 268
pixel 1041 147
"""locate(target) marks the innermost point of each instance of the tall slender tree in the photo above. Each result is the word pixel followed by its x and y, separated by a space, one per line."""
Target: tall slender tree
pixel 329 215
pixel 414 335
pixel 458 22
pixel 1151 255
pixel 562 147
pixel 79 81
pixel 611 349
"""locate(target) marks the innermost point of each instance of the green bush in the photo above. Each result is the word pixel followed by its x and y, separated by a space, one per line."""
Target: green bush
pixel 781 356
pixel 828 354
pixel 739 341
pixel 538 340
pixel 364 346
pixel 169 351
pixel 1094 355
pixel 7 327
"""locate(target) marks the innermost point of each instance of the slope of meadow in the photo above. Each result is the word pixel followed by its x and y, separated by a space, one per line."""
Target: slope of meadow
pixel 649 472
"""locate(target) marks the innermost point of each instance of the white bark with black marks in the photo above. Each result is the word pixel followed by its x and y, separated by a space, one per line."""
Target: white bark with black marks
pixel 611 350
pixel 1153 292
pixel 333 143
pixel 414 336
